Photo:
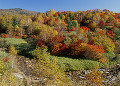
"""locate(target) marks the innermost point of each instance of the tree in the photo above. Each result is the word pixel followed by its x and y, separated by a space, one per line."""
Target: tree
pixel 44 67
pixel 34 27
pixel 102 24
pixel 15 22
pixel 47 32
pixel 75 24
pixel 94 52
pixel 40 19
pixel 104 41
pixel 5 22
pixel 51 13
pixel 12 50
pixel 71 16
pixel 92 25
pixel 82 35
pixel 25 22
pixel 77 48
pixel 52 22
pixel 69 24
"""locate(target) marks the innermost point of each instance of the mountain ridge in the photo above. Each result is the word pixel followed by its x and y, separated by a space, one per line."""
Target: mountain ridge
pixel 17 11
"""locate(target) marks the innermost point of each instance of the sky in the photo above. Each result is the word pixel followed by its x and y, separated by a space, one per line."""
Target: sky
pixel 65 5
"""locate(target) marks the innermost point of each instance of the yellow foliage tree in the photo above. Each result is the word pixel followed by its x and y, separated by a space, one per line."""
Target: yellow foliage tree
pixel 12 50
pixel 47 32
pixel 46 68
pixel 82 35
pixel 51 13
pixel 104 41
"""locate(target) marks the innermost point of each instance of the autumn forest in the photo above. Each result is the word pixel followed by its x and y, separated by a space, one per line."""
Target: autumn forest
pixel 57 43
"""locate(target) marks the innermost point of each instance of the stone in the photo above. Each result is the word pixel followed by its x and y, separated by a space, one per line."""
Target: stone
pixel 81 77
pixel 106 72
pixel 113 79
pixel 109 77
pixel 102 70
pixel 18 75
pixel 26 61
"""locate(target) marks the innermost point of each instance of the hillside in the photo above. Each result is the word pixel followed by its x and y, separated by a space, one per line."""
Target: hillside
pixel 16 11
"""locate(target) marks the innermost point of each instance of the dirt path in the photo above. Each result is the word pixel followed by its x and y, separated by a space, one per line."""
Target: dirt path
pixel 24 67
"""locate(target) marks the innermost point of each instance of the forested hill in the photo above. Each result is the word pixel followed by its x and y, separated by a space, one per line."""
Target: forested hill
pixel 16 11
pixel 59 41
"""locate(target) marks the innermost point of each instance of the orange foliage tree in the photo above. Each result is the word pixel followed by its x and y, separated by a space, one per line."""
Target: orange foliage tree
pixel 94 52
pixel 85 28
pixel 59 48
pixel 77 48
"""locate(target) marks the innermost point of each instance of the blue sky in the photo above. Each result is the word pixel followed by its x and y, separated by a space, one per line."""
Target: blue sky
pixel 65 5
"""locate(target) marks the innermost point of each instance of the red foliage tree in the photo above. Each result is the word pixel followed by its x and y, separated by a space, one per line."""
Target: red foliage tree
pixel 85 28
pixel 91 42
pixel 40 43
pixel 110 33
pixel 102 24
pixel 4 36
pixel 59 48
pixel 77 48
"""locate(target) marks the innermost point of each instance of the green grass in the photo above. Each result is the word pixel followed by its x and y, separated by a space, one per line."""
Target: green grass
pixel 69 64
pixel 6 42
pixel 14 41
pixel 22 47
pixel 25 49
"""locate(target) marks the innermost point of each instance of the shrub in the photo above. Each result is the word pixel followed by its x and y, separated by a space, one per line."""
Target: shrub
pixel 12 50
pixel 103 60
pixel 8 79
pixel 2 66
pixel 44 67
pixel 69 64
pixel 109 55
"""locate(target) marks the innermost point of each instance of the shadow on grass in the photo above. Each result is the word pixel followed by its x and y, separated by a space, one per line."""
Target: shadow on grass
pixel 25 49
